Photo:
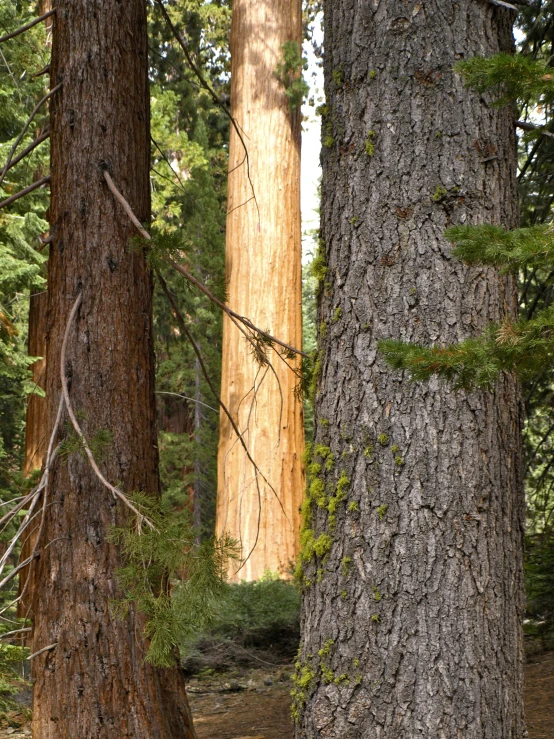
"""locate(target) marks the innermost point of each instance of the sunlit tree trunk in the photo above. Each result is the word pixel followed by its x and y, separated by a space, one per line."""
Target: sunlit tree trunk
pixel 263 269
pixel 413 577
pixel 92 680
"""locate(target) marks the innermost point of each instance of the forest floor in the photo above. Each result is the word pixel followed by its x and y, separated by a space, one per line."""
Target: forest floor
pixel 255 703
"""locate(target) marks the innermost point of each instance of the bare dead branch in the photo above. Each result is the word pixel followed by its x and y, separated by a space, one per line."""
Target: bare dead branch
pixel 44 649
pixel 182 270
pixel 27 26
pixel 196 348
pixel 25 127
pixel 215 97
pixel 28 150
pixel 503 4
pixel 65 391
pixel 16 631
pixel 42 71
pixel 530 127
pixel 25 191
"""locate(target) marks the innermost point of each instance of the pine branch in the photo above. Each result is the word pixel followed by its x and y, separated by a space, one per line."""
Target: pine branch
pixel 25 191
pixel 523 347
pixel 25 127
pixel 33 145
pixel 511 77
pixel 26 27
pixel 495 246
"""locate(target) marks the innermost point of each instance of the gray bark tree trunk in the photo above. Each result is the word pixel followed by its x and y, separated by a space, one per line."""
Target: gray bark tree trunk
pixel 91 681
pixel 413 589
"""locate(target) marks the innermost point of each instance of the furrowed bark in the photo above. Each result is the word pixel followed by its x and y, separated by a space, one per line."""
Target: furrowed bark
pixel 412 609
pixel 95 682
pixel 263 269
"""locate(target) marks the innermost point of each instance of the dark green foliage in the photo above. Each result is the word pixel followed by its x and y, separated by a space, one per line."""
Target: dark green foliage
pixel 539 577
pixel 21 265
pixel 189 174
pixel 263 604
pixel 510 250
pixel 510 77
pixel 289 74
pixel 172 581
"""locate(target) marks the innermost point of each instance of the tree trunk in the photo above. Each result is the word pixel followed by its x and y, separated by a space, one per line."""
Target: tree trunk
pixel 36 427
pixel 94 682
pixel 263 270
pixel 413 596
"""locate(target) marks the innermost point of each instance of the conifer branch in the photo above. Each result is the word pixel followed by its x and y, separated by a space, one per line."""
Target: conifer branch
pixel 28 150
pixel 523 347
pixel 25 191
pixel 26 126
pixel 27 26
pixel 510 249
pixel 182 270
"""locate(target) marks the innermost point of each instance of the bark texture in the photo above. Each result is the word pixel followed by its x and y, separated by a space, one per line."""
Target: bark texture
pixel 94 682
pixel 412 613
pixel 263 269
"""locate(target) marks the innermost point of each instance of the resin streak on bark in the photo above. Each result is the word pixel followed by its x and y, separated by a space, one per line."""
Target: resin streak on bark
pixel 263 267
pixel 413 627
pixel 95 683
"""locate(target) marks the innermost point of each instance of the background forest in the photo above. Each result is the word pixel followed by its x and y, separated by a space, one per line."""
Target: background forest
pixel 189 157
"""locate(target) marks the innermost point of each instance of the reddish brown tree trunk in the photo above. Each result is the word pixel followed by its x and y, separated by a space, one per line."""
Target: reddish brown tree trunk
pixel 94 683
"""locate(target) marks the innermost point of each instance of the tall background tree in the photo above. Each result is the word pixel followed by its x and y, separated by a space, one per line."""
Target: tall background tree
pixel 260 507
pixel 412 540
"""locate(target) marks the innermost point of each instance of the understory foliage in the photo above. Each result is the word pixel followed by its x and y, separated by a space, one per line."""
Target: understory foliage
pixel 524 346
pixel 176 584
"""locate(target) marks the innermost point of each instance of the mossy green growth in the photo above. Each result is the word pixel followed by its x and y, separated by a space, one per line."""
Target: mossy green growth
pixel 376 594
pixel 342 679
pixel 382 511
pixel 370 143
pixel 340 494
pixel 325 650
pixel 319 267
pixel 322 451
pixel 323 329
pixel 324 422
pixel 317 491
pixel 439 194
pixel 344 594
pixel 353 507
pixel 302 679
pixel 356 662
pixel 395 448
pixel 383 439
pixel 375 617
pixel 337 314
pixel 338 77
pixel 345 565
pixel 368 451
pixel 326 673
pixel 399 461
pixel 354 220
pixel 372 74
